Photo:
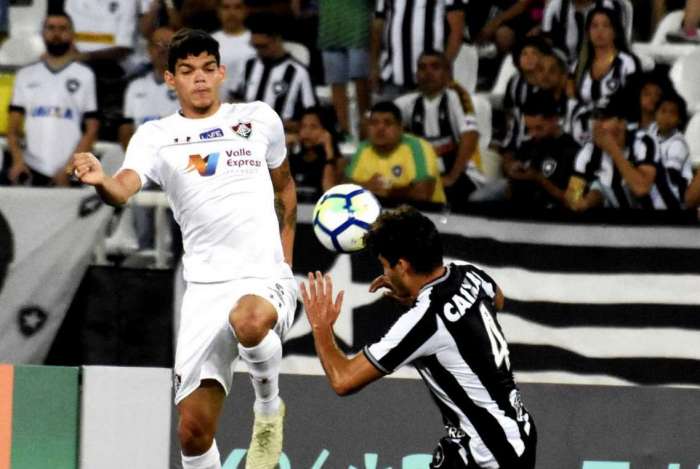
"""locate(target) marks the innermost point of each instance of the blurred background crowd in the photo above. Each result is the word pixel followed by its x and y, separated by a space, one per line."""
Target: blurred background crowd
pixel 562 105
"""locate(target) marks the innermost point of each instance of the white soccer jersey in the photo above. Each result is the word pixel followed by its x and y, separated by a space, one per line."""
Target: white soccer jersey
pixel 215 174
pixel 54 103
pixel 677 168
pixel 101 24
pixel 146 100
pixel 597 92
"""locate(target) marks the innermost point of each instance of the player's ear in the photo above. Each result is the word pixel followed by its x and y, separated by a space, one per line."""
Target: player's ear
pixel 169 79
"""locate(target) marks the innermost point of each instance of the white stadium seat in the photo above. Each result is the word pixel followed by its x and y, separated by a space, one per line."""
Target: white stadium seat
pixel 482 109
pixel 21 50
pixel 692 136
pixel 669 23
pixel 466 67
pixel 26 19
pixel 684 75
pixel 659 48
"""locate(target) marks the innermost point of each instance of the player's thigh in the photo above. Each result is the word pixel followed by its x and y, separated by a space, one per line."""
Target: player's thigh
pixel 273 301
pixel 199 411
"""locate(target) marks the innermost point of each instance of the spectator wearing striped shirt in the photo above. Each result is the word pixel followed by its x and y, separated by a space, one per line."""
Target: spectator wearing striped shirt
pixel 401 30
pixel 450 334
pixel 273 75
pixel 435 113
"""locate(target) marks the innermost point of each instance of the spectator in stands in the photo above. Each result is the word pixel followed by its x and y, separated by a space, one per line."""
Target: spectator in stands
pixel 515 20
pixel 314 155
pixel 233 37
pixel 617 169
pixel 651 88
pixel 199 14
pixel 156 13
pixel 564 22
pixel 273 76
pixel 395 165
pixel 401 30
pixel 675 171
pixel 435 113
pixel 552 74
pixel 541 168
pixel 148 97
pixel 343 38
pixel 54 100
pixel 689 28
pixel 605 65
pixel 520 87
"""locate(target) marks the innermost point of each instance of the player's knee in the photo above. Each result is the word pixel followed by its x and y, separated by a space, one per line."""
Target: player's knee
pixel 196 434
pixel 250 324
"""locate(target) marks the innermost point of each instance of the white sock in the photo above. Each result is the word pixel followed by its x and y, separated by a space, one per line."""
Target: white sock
pixel 264 366
pixel 208 460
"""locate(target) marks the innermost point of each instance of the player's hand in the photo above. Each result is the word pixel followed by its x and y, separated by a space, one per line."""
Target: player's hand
pixel 318 300
pixel 87 168
pixel 383 282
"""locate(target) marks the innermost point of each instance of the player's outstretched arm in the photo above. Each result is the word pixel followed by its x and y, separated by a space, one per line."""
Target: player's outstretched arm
pixel 113 190
pixel 346 375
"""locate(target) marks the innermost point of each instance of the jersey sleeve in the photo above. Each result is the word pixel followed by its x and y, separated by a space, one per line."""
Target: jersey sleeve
pixel 645 150
pixel 462 122
pixel 277 148
pixel 356 170
pixel 404 103
pixel 141 154
pixel 19 100
pixel 676 155
pixel 89 104
pixel 407 340
pixel 582 158
pixel 431 160
pixel 129 102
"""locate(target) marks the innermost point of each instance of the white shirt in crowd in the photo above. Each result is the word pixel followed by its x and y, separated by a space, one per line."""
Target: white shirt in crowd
pixel 215 173
pixel 54 103
pixel 235 50
pixel 146 100
pixel 102 24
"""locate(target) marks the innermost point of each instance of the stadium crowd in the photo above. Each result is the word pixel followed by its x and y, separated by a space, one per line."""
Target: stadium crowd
pixel 583 123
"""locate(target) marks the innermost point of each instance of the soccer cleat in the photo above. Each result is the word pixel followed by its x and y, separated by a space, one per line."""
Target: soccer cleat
pixel 266 442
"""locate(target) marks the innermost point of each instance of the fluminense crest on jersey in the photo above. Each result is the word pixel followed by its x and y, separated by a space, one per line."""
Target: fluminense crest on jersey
pixel 243 129
pixel 205 166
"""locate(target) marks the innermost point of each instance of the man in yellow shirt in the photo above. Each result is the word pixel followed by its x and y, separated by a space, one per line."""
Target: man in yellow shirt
pixel 393 164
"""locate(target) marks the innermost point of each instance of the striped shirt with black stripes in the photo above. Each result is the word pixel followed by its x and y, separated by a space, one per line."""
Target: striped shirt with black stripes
pixel 675 170
pixel 284 84
pixel 452 337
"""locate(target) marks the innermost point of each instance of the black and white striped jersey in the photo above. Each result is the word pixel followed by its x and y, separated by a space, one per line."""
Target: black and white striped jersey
pixel 452 337
pixel 284 84
pixel 677 168
pixel 565 23
pixel 599 170
pixel 596 92
pixel 440 120
pixel 410 27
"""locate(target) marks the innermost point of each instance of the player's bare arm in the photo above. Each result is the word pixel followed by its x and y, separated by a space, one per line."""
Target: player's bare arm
pixel 115 190
pixel 285 206
pixel 346 375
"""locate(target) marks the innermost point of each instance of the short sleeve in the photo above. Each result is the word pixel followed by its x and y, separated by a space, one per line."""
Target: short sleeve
pixel 19 98
pixel 459 120
pixel 141 154
pixel 129 101
pixel 90 97
pixel 676 155
pixel 356 170
pixel 407 340
pixel 582 159
pixel 645 150
pixel 404 103
pixel 431 160
pixel 126 25
pixel 277 148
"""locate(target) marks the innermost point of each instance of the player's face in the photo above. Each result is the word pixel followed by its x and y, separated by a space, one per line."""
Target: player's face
pixel 529 59
pixel 57 33
pixel 395 277
pixel 266 46
pixel 432 74
pixel 601 31
pixel 667 116
pixel 540 127
pixel 196 80
pixel 384 130
pixel 231 13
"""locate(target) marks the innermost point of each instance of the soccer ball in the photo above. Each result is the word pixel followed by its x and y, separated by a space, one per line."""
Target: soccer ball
pixel 343 215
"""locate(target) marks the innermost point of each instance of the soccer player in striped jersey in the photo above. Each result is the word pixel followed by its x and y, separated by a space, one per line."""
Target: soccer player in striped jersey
pixel 450 334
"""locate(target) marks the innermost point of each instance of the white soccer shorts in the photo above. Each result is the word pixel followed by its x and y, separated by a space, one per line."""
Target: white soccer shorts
pixel 206 346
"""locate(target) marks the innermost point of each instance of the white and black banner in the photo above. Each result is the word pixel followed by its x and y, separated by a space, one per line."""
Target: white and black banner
pixel 47 237
pixel 586 303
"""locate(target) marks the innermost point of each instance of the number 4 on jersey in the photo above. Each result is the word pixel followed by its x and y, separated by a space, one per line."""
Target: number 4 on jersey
pixel 499 347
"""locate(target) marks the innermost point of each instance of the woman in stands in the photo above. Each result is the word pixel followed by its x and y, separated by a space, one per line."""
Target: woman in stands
pixel 605 64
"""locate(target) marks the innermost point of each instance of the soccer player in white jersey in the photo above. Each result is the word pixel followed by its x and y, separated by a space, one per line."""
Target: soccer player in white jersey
pixel 224 170
pixel 450 334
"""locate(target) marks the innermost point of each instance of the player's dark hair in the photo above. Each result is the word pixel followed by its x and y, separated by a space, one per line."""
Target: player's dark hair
pixel 188 42
pixel 58 12
pixel 541 103
pixel 389 107
pixel 405 233
pixel 671 96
